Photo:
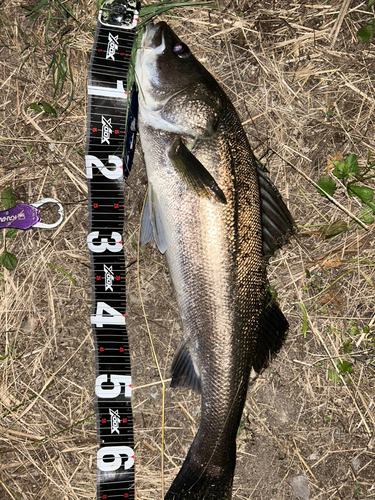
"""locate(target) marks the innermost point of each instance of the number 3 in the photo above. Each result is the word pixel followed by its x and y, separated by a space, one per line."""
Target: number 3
pixel 104 245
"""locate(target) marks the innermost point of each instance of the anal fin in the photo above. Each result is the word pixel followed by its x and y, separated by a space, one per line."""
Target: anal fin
pixel 272 334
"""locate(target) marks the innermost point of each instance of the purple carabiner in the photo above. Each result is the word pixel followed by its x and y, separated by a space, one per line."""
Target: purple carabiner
pixel 24 216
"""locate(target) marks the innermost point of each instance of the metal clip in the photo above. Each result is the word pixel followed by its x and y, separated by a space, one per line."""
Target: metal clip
pixel 122 14
pixel 60 212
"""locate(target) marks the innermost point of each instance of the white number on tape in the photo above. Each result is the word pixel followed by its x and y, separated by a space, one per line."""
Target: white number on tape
pixel 118 92
pixel 93 161
pixel 104 245
pixel 113 317
pixel 114 453
pixel 117 381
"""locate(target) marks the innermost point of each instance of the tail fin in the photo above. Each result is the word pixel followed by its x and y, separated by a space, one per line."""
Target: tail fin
pixel 197 481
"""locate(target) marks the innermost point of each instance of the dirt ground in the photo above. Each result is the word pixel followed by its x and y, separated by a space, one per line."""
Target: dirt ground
pixel 304 88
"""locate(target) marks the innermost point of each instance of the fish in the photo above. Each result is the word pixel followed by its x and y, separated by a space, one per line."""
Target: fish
pixel 217 218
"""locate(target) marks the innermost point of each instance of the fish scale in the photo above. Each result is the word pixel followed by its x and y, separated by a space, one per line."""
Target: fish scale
pixel 205 211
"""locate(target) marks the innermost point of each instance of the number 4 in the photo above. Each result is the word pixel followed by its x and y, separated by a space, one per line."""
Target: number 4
pixel 114 317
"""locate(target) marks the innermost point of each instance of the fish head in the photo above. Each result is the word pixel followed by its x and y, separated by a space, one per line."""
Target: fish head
pixel 176 93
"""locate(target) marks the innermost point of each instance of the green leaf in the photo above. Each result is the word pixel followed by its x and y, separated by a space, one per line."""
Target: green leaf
pixel 33 105
pixel 341 169
pixel 12 233
pixel 8 260
pixel 364 193
pixel 273 291
pixel 368 219
pixel 48 108
pixel 365 33
pixel 344 367
pixel 8 199
pixel 330 230
pixel 352 163
pixel 365 214
pixel 334 376
pixel 326 185
pixel 369 3
pixel 371 204
pixel 62 271
pixel 347 346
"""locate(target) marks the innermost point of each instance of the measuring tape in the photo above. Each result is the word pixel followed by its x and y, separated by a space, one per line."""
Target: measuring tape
pixel 107 144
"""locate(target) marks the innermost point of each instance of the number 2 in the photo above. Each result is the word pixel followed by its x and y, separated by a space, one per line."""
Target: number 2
pixel 93 161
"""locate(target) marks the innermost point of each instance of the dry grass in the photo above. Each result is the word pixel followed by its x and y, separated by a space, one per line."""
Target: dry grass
pixel 284 65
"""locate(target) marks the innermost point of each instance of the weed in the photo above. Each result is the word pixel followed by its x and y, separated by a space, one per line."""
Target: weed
pixel 344 367
pixel 65 273
pixel 304 318
pixel 7 259
pixel 350 174
pixel 273 292
pixel 366 32
pixel 42 106
pixel 357 488
pixel 334 376
pixel 242 424
pixel 56 15
pixel 151 11
pixel 347 347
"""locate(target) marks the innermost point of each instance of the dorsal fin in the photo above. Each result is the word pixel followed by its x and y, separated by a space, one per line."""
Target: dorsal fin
pixel 277 221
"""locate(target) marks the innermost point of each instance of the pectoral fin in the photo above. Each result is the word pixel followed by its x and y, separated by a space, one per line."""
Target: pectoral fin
pixel 153 222
pixel 147 231
pixel 193 173
pixel 183 371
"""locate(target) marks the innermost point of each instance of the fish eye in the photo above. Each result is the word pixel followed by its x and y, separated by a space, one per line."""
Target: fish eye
pixel 181 50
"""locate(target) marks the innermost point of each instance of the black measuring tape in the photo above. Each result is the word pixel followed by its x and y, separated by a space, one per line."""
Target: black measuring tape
pixel 107 144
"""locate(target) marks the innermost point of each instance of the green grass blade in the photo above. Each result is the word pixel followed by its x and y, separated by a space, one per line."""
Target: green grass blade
pixel 62 271
pixel 304 318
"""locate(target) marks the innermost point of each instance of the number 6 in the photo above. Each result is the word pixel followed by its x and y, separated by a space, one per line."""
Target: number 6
pixel 116 452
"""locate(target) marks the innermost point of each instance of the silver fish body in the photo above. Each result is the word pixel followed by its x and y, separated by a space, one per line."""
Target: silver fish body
pixel 215 215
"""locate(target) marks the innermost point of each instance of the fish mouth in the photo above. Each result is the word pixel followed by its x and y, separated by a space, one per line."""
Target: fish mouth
pixel 154 38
